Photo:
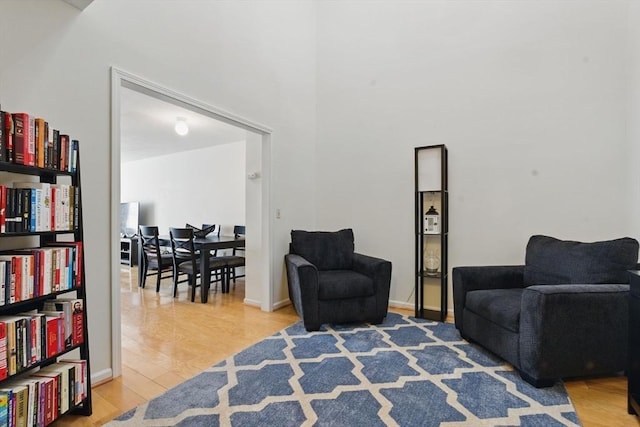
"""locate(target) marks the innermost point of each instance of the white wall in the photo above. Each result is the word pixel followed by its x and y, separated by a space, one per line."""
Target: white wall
pixel 238 56
pixel 198 187
pixel 529 97
pixel 633 138
pixel 254 244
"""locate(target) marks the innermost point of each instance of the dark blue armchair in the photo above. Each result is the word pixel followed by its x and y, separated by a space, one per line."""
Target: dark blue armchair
pixel 562 314
pixel 330 283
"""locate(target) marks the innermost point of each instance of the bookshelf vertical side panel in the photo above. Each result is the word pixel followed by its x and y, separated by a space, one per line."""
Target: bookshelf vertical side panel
pixel 86 408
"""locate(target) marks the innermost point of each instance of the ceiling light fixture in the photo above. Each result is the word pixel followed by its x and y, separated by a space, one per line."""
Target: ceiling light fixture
pixel 181 126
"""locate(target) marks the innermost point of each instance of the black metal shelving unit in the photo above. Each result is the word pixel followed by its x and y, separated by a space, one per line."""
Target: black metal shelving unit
pixel 431 189
pixel 42 239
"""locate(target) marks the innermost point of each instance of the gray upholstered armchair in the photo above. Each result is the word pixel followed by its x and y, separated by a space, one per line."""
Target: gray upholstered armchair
pixel 330 283
pixel 562 314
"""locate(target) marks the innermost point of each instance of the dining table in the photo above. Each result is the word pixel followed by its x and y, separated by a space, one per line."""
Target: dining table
pixel 204 245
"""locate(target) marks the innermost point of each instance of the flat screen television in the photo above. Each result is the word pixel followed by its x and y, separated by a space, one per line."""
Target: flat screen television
pixel 129 218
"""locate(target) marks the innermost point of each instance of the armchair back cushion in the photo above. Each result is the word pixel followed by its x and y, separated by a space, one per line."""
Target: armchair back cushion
pixel 327 250
pixel 550 261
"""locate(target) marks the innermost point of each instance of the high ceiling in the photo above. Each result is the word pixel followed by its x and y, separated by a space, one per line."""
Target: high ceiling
pixel 147 128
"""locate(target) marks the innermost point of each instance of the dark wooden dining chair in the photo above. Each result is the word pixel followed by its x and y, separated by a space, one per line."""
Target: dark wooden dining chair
pixel 187 261
pixel 237 259
pixel 214 252
pixel 154 260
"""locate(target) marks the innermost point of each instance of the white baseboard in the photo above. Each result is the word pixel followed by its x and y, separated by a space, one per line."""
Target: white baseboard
pixel 412 306
pixel 280 304
pixel 402 304
pixel 252 302
pixel 275 306
pixel 396 304
pixel 98 378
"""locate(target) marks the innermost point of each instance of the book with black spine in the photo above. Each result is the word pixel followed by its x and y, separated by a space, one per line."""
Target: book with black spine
pixel 3 138
pixel 20 138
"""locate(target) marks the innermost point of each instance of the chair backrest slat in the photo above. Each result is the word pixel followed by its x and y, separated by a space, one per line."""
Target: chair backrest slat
pixel 149 242
pixel 238 231
pixel 182 247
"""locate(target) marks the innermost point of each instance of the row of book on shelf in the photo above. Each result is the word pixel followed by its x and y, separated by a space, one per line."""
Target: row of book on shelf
pixel 41 397
pixel 30 141
pixel 38 206
pixel 28 338
pixel 32 273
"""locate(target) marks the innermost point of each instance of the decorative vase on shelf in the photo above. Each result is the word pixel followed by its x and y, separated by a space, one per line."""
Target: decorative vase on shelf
pixel 431 263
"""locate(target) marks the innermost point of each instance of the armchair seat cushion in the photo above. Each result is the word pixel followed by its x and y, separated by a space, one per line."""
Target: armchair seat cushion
pixel 500 306
pixel 343 284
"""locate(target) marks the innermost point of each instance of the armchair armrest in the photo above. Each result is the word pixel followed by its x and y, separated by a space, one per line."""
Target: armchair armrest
pixel 371 266
pixel 302 280
pixel 467 279
pixel 379 270
pixel 570 329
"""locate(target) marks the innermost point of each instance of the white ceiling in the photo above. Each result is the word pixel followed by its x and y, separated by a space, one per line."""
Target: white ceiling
pixel 80 4
pixel 147 128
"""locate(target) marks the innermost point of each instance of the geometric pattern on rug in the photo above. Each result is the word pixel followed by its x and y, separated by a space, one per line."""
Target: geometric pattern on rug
pixel 403 372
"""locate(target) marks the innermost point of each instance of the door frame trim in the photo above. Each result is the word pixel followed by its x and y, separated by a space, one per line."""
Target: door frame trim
pixel 121 78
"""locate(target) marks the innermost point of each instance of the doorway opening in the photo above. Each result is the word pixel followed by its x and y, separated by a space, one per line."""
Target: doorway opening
pixel 257 195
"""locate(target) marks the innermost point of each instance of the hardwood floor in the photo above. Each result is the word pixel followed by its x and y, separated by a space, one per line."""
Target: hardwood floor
pixel 166 341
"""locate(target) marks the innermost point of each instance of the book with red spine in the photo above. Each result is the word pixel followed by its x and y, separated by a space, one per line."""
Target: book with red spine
pixel 3 351
pixel 31 143
pixel 64 151
pixel 74 308
pixel 3 208
pixel 65 307
pixel 77 315
pixel 60 335
pixel 7 124
pixel 52 335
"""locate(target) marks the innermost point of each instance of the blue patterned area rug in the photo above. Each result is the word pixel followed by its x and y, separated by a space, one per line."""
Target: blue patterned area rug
pixel 404 372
